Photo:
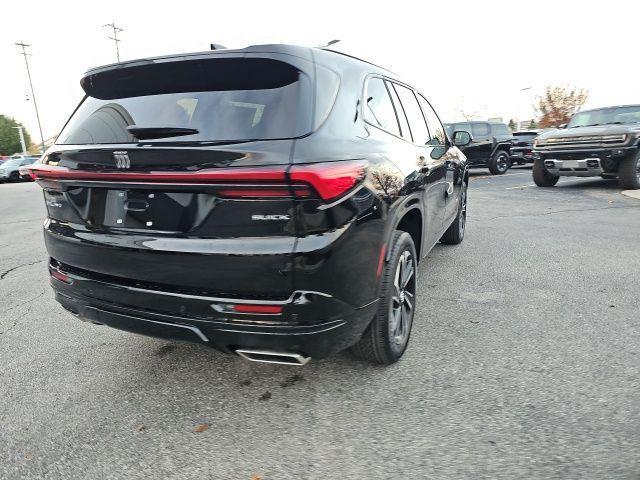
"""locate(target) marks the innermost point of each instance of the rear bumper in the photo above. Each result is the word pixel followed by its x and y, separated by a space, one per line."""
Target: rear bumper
pixel 182 317
pixel 521 155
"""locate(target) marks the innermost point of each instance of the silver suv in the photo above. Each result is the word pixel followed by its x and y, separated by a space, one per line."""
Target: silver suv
pixel 9 169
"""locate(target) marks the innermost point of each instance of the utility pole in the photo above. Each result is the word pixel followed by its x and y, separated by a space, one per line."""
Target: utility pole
pixel 522 92
pixel 24 146
pixel 33 95
pixel 115 38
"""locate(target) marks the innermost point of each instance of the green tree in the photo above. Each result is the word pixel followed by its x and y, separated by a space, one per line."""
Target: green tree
pixel 10 137
pixel 512 125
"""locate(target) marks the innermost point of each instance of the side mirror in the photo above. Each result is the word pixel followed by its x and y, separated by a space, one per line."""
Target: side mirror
pixel 461 138
pixel 562 126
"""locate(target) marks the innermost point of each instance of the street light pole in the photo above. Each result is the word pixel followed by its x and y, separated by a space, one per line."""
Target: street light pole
pixel 115 38
pixel 33 95
pixel 24 146
pixel 522 90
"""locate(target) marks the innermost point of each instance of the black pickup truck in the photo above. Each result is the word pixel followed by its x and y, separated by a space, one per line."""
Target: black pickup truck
pixel 603 142
pixel 490 145
pixel 522 146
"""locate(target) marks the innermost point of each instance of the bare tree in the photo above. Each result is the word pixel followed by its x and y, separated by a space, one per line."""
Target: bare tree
pixel 388 182
pixel 558 104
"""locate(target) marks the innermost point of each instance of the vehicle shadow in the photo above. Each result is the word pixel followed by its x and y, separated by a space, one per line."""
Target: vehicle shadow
pixel 201 374
pixel 479 172
pixel 582 183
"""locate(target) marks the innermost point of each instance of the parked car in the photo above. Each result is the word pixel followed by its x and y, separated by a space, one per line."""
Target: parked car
pixel 272 201
pixel 490 146
pixel 601 142
pixel 522 147
pixel 24 174
pixel 9 170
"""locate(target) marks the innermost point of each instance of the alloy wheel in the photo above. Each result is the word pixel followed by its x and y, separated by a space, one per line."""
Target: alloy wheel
pixel 402 300
pixel 502 162
pixel 463 210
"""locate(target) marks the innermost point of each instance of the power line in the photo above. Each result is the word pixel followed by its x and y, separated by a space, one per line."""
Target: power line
pixel 33 95
pixel 115 38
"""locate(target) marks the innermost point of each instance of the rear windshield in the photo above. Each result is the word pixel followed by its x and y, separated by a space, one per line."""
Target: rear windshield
pixel 223 100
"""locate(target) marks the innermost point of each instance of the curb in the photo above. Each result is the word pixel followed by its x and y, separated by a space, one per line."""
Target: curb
pixel 632 193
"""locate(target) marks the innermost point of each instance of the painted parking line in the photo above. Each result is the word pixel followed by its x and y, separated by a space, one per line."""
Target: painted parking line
pixel 521 186
pixel 499 176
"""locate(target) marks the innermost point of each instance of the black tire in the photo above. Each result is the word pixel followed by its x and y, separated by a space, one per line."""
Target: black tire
pixel 541 176
pixel 455 233
pixel 387 336
pixel 499 163
pixel 14 177
pixel 629 172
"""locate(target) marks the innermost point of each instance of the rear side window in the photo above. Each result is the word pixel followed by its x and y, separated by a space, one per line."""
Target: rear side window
pixel 378 109
pixel 405 130
pixel 414 114
pixel 480 130
pixel 462 127
pixel 500 129
pixel 436 130
pixel 223 99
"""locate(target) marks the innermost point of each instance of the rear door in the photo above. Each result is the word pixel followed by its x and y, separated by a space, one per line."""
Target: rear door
pixel 449 159
pixel 174 175
pixel 431 162
pixel 482 141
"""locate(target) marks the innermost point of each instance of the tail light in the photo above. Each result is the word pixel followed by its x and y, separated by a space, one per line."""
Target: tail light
pixel 329 180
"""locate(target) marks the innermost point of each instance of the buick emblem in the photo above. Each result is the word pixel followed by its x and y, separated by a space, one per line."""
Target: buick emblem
pixel 122 159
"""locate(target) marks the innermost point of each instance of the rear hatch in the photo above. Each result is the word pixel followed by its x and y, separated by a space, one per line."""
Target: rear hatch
pixel 523 139
pixel 174 174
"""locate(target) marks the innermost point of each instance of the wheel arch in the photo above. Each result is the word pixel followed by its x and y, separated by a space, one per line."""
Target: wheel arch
pixel 506 146
pixel 410 220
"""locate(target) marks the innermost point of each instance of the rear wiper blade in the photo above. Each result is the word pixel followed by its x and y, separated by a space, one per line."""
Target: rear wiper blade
pixel 146 133
pixel 203 143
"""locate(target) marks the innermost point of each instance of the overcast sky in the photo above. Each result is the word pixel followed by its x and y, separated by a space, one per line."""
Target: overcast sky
pixel 474 56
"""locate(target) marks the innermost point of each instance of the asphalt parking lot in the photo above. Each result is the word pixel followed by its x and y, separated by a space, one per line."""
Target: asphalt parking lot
pixel 524 363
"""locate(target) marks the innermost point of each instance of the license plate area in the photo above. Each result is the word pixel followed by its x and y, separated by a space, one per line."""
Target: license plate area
pixel 153 210
pixel 129 209
pixel 571 164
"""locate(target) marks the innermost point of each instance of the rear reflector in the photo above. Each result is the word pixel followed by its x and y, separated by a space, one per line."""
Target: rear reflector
pixel 252 308
pixel 383 250
pixel 62 277
pixel 329 180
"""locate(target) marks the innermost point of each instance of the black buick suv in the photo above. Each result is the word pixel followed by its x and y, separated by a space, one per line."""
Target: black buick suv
pixel 272 201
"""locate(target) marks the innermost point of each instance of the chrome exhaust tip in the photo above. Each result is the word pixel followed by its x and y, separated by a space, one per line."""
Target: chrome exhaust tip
pixel 268 356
